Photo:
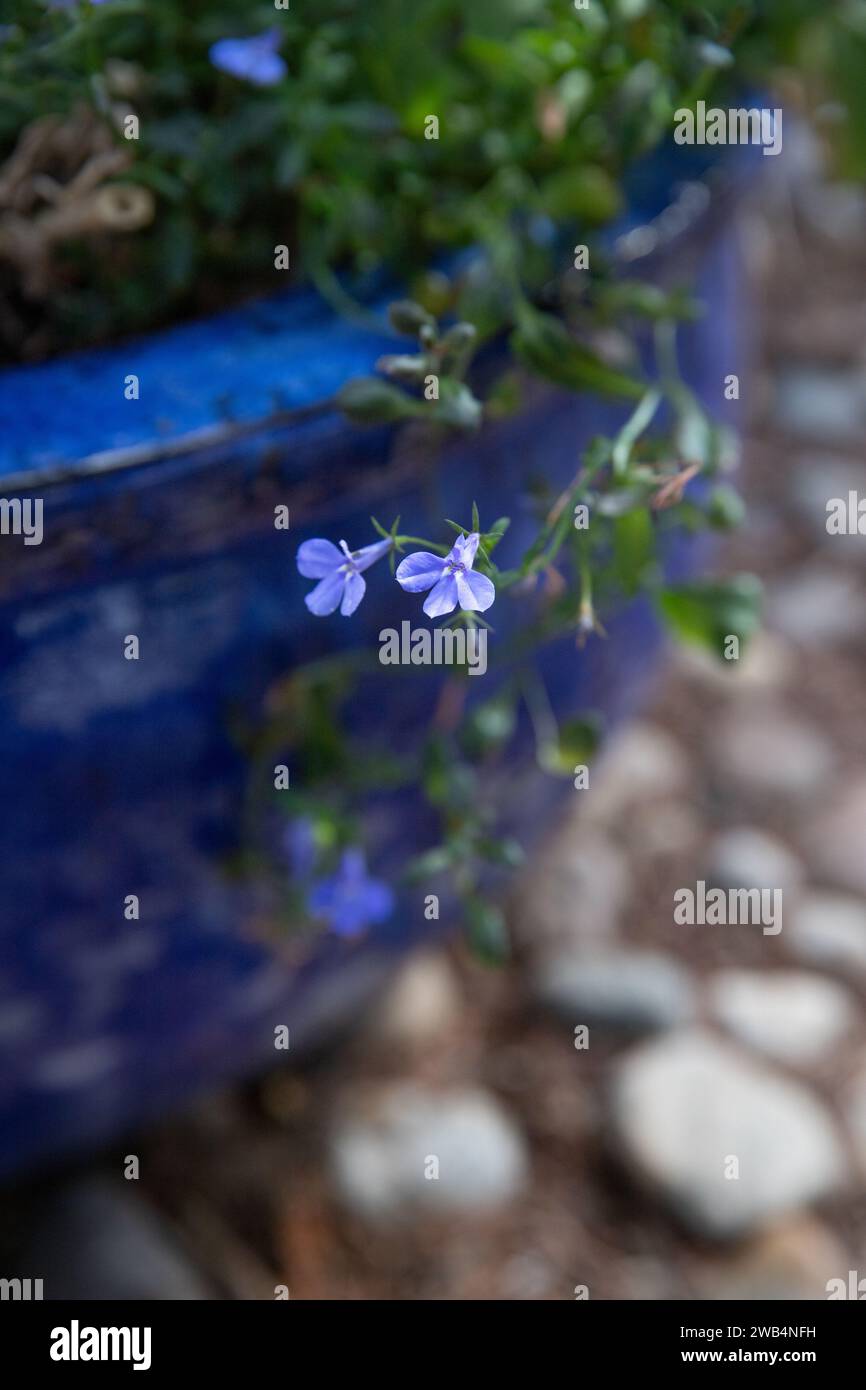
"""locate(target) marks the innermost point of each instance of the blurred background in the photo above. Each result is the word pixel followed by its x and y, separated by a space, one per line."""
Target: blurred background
pixel 629 1108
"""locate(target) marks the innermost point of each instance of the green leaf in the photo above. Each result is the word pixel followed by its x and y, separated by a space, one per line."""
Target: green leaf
pixel 706 614
pixel 632 430
pixel 588 194
pixel 486 931
pixel 647 301
pixel 543 343
pixel 506 852
pixel 429 864
pixel 491 538
pixel 405 367
pixel 490 725
pixel 457 406
pixel 576 743
pixel 694 435
pixel 447 781
pixel 369 401
pixel 621 500
pixel 726 510
pixel 456 348
pixel 476 523
pixel 409 318
pixel 505 397
pixel 633 547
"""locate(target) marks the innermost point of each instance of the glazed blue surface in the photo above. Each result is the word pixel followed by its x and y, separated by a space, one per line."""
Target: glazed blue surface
pixel 124 777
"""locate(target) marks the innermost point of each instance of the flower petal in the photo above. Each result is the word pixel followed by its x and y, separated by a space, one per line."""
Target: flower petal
pixel 475 591
pixel 350 900
pixel 318 558
pixel 322 897
pixel 379 900
pixel 353 592
pixel 442 599
pixel 326 596
pixel 349 920
pixel 419 571
pixel 353 865
pixel 368 554
pixel 467 545
pixel 253 60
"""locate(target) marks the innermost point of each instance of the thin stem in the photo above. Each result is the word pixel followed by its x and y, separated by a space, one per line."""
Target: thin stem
pixel 420 540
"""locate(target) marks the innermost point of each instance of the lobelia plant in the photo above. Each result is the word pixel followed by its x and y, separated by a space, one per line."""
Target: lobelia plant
pixel 598 541
pixel 478 152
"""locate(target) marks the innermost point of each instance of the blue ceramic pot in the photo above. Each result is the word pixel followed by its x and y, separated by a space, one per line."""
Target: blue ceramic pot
pixel 123 777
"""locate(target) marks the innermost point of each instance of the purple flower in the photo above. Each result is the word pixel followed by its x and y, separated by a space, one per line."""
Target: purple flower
pixel 452 580
pixel 339 573
pixel 255 60
pixel 349 901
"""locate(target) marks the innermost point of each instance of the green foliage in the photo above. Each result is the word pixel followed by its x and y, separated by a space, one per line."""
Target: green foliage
pixel 486 930
pixel 541 108
pixel 706 614
pixel 369 401
pixel 574 743
pixel 543 343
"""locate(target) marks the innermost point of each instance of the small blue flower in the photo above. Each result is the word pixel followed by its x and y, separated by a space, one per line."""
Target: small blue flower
pixel 452 580
pixel 350 900
pixel 339 572
pixel 255 60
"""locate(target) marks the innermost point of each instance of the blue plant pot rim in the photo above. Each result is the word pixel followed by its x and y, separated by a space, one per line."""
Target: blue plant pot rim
pixel 272 362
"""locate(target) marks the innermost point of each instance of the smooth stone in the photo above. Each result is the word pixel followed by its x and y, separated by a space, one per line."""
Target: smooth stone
pixel 625 991
pixel 855 1114
pixel 816 483
pixel 748 858
pixel 685 1105
pixel 386 1139
pixel 763 752
pixel 641 762
pixel 817 606
pixel 837 210
pixel 419 1005
pixel 791 1261
pixel 98 1239
pixel 575 893
pixel 665 827
pixel 791 1015
pixel 765 666
pixel 836 840
pixel 819 402
pixel 828 930
pixel 529 1276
